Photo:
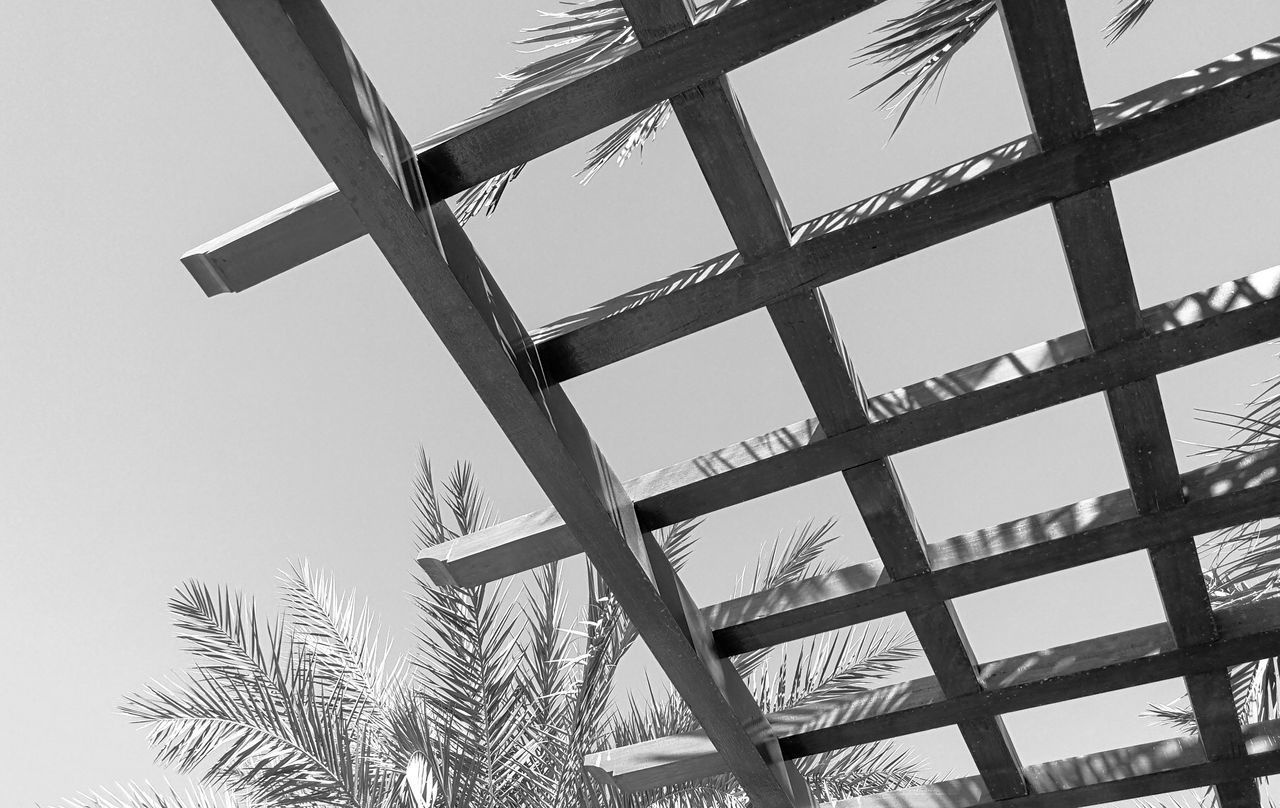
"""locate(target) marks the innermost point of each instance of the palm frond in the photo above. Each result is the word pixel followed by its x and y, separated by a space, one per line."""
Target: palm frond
pixel 1130 14
pixel 470 670
pixel 917 49
pixel 784 562
pixel 629 138
pixel 299 748
pixel 145 795
pixel 344 639
pixel 1177 715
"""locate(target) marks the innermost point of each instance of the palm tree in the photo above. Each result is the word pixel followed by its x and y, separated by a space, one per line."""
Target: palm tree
pixel 914 50
pixel 498 706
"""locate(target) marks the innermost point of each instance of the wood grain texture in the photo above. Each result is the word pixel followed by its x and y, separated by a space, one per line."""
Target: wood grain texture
pixel 300 53
pixel 1177 333
pixel 1118 774
pixel 1044 54
pixel 1218 496
pixel 503 137
pixel 1192 111
pixel 1128 658
pixel 747 197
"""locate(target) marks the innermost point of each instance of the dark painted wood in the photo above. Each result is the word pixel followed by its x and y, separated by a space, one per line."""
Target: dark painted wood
pixel 1177 333
pixel 1219 496
pixel 987 189
pixel 1128 658
pixel 1044 54
pixel 1119 774
pixel 503 137
pixel 299 52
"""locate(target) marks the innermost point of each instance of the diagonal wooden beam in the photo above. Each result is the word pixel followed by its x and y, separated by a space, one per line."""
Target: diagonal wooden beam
pixel 1044 54
pixel 298 50
pixel 507 135
pixel 1205 106
pixel 1176 334
pixel 1218 496
pixel 1076 670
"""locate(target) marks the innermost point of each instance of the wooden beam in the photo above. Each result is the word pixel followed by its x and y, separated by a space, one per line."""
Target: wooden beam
pixel 1119 774
pixel 300 53
pixel 507 135
pixel 1128 658
pixel 1218 101
pixel 1044 54
pixel 1220 495
pixel 1176 334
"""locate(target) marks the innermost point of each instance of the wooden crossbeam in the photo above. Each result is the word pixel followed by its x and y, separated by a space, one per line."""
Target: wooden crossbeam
pixel 1218 496
pixel 1044 54
pixel 1176 334
pixel 746 195
pixel 527 127
pixel 744 191
pixel 1218 101
pixel 1119 774
pixel 1128 658
pixel 298 50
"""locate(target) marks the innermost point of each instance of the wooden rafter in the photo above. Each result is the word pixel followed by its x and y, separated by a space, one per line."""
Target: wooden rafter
pixel 300 53
pixel 1125 659
pixel 1057 104
pixel 1218 496
pixel 394 192
pixel 507 135
pixel 1177 333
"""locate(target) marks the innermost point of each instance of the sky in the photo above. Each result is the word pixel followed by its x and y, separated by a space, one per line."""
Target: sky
pixel 149 435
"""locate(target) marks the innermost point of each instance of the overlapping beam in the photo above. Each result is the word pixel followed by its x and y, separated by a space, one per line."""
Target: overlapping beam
pixel 747 197
pixel 508 135
pixel 1080 669
pixel 1218 496
pixel 1180 332
pixel 1217 101
pixel 313 73
pixel 1057 104
pixel 1119 774
pixel 739 180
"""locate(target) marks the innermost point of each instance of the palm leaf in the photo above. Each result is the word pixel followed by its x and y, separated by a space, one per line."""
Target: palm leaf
pixel 133 795
pixel 1130 14
pixel 469 669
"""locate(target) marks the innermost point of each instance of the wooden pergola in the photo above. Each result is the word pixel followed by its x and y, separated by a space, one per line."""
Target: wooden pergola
pixel 395 192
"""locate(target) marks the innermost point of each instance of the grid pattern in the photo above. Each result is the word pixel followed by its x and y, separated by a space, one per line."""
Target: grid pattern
pixel 393 192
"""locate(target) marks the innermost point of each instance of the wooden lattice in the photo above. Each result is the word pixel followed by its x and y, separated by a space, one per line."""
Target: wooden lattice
pixel 394 192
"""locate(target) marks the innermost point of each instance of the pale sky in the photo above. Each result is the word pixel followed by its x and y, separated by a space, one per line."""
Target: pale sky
pixel 149 435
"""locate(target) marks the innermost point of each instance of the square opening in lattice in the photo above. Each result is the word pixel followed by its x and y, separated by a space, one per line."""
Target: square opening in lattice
pixel 967 300
pixel 1111 720
pixel 557 247
pixel 1166 42
pixel 691 396
pixel 1017 468
pixel 1080 603
pixel 829 149
pixel 1205 401
pixel 1204 218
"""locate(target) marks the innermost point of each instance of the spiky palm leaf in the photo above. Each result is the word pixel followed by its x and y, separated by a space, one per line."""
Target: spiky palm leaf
pixel 144 795
pixel 256 716
pixel 312 710
pixel 849 661
pixel 470 672
pixel 916 49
